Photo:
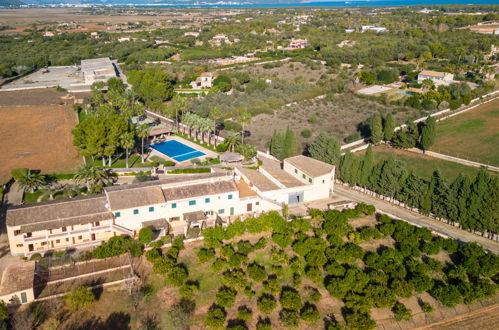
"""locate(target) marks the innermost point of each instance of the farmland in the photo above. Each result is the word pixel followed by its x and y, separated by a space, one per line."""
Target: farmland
pixel 472 135
pixel 423 165
pixel 39 138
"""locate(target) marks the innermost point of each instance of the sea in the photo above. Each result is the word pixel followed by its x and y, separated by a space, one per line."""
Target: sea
pixel 361 3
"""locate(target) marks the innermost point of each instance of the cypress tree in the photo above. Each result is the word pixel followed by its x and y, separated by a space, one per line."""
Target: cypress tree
pixel 388 128
pixel 325 148
pixel 356 170
pixel 289 146
pixel 367 166
pixel 428 134
pixel 346 167
pixel 276 145
pixel 376 129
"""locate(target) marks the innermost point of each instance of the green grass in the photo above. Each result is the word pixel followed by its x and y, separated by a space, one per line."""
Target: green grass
pixel 473 135
pixel 133 161
pixel 423 165
pixel 190 170
pixel 30 198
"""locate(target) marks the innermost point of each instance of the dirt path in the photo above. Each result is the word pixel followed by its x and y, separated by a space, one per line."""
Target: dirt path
pixel 484 319
pixel 417 219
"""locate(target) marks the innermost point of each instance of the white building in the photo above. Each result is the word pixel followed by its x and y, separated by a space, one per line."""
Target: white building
pixel 172 205
pixel 439 78
pixel 97 69
pixel 373 28
pixel 204 81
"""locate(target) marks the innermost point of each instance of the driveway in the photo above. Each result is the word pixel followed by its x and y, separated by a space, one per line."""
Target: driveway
pixel 417 219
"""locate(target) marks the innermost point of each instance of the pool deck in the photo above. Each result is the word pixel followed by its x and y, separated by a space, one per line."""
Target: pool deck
pixel 207 153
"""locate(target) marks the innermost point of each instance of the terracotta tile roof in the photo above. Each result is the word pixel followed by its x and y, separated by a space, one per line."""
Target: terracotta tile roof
pixel 311 167
pixel 274 169
pixel 135 197
pixel 433 73
pixel 79 210
pixel 258 179
pixel 201 189
pixel 17 278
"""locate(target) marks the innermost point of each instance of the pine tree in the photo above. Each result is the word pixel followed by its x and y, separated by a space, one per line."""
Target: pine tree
pixel 346 167
pixel 376 129
pixel 389 127
pixel 277 145
pixel 325 148
pixel 367 166
pixel 428 134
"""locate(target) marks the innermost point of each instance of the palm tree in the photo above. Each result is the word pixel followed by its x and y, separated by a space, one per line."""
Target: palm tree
pixel 205 128
pixel 215 113
pixel 196 124
pixel 244 119
pixel 90 174
pixel 52 189
pixel 179 104
pixel 209 129
pixel 143 131
pixel 72 190
pixel 127 142
pixel 232 141
pixel 188 121
pixel 30 181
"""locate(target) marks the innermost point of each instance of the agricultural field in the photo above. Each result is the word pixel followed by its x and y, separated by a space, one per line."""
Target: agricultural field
pixel 341 117
pixel 31 97
pixel 39 138
pixel 423 165
pixel 352 267
pixel 288 71
pixel 473 135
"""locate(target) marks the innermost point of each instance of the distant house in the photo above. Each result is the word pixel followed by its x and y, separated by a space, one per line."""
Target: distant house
pixel 219 39
pixel 347 43
pixel 349 30
pixel 191 34
pixel 376 29
pixel 204 81
pixel 123 39
pixel 48 34
pixel 97 69
pixel 298 44
pixel 439 78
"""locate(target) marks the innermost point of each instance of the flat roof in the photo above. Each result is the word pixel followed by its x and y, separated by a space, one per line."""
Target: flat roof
pixel 273 168
pixel 258 179
pixel 17 278
pixel 310 166
pixel 433 73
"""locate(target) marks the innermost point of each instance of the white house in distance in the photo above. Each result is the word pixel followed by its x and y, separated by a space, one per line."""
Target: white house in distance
pixel 204 81
pixel 97 69
pixel 439 78
pixel 298 44
pixel 171 205
pixel 376 29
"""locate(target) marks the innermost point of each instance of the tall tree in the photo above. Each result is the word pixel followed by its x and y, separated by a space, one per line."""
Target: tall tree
pixel 277 145
pixel 367 166
pixel 90 175
pixel 127 142
pixel 388 127
pixel 30 181
pixel 289 147
pixel 325 148
pixel 429 133
pixel 244 119
pixel 232 141
pixel 143 131
pixel 376 129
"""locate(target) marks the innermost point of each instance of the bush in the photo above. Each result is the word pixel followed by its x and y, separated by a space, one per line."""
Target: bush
pixel 226 297
pixel 79 298
pixel 177 276
pixel 282 240
pixel 352 137
pixel 244 313
pixel 215 318
pixel 188 290
pixel 205 255
pixel 360 321
pixel 314 295
pixel 448 295
pixel 163 265
pixel 266 303
pixel 310 313
pixel 178 242
pixel 146 235
pixel 306 133
pixel 19 173
pixel 35 256
pixel 289 318
pixel 221 147
pixel 401 312
pixel 230 125
pixel 427 308
pixel 262 242
pixel 153 255
pixel 168 163
pixel 290 299
pixel 264 324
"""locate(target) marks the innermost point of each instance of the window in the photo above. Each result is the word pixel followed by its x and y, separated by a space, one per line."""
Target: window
pixel 57 241
pixel 304 176
pixel 230 196
pixel 136 211
pixel 192 203
pixel 17 232
pixel 67 239
pixel 80 237
pixel 151 208
pixel 174 205
pixel 175 219
pixel 24 298
pixel 64 229
pixel 221 211
pixel 310 180
pixel 296 171
pixel 207 200
pixel 19 245
pixel 257 203
pixel 117 214
pixel 323 181
pixel 44 243
pixel 29 234
pixel 97 224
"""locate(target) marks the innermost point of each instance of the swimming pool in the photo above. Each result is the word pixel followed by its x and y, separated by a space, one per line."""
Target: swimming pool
pixel 405 93
pixel 176 150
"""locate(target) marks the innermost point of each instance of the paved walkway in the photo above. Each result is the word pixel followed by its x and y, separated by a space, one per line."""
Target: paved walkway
pixel 417 219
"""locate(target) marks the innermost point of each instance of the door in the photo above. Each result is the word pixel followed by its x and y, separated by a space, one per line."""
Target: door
pixel 249 207
pixel 295 198
pixel 30 247
pixel 231 211
pixel 93 237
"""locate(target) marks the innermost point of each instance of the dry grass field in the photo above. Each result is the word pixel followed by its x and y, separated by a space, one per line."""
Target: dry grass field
pixel 39 138
pixel 473 135
pixel 31 97
pixel 288 71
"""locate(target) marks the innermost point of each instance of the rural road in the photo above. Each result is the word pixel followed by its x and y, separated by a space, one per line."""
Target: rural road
pixel 417 219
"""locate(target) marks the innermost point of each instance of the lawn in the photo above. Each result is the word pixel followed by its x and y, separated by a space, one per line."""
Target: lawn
pixel 473 135
pixel 120 162
pixel 423 165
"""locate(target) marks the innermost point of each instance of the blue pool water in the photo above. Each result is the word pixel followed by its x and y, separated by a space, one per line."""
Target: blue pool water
pixel 405 93
pixel 177 150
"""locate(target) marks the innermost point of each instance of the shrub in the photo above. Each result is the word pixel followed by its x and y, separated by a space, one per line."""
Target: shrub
pixel 427 308
pixel 314 273
pixel 237 228
pixel 163 265
pixel 289 318
pixel 168 163
pixel 153 254
pixel 401 312
pixel 271 284
pixel 448 295
pixel 35 256
pixel 257 272
pixel 18 173
pixel 227 251
pixel 4 311
pixel 244 313
pixel 215 318
pixel 178 242
pixel 79 298
pixel 306 133
pixel 237 259
pixel 205 255
pixel 266 303
pixel 146 235
pixel 235 279
pixel 290 299
pixel 314 295
pixel 310 313
pixel 188 290
pixel 226 297
pixel 177 276
pixel 219 265
pixel 282 240
pixel 264 324
pixel 262 242
pixel 431 248
pixel 360 321
pixel 221 147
